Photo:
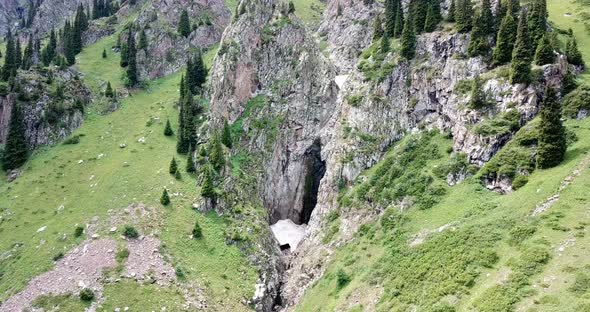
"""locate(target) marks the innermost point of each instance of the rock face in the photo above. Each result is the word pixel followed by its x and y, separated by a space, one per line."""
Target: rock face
pixel 48 118
pixel 345 111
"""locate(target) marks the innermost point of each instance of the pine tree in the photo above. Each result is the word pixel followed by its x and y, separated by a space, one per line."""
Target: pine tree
pixel 544 54
pixel 173 166
pixel 226 138
pixel 552 137
pixel 390 15
pixel 132 78
pixel 487 18
pixel 478 97
pixel 452 9
pixel 513 7
pixel 521 56
pixel 15 149
pixel 165 199
pixel 197 231
pixel 104 53
pixel 9 68
pixel 377 28
pixel 199 72
pixel 178 175
pixel 537 18
pixel 108 92
pixel 143 44
pixel 216 156
pixel 48 53
pixel 505 41
pixel 398 26
pixel 478 44
pixel 419 9
pixel 408 41
pixel 68 44
pixel 500 11
pixel 385 43
pixel 190 162
pixel 572 53
pixel 18 54
pixel 569 82
pixel 207 188
pixel 184 25
pixel 464 15
pixel 431 20
pixel 82 18
pixel 27 61
pixel 168 129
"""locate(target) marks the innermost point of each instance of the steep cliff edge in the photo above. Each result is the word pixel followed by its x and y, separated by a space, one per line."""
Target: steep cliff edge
pixel 349 108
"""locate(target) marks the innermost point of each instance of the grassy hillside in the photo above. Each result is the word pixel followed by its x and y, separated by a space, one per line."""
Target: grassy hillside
pixel 67 185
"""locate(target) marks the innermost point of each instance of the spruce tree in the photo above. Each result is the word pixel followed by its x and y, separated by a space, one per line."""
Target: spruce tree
pixel 165 199
pixel 18 54
pixel 199 72
pixel 385 43
pixel 505 41
pixel 15 149
pixel 398 26
pixel 408 41
pixel 377 28
pixel 478 97
pixel 178 175
pixel 431 20
pixel 9 68
pixel 132 75
pixel 207 188
pixel 190 162
pixel 487 18
pixel 48 53
pixel 142 40
pixel 216 156
pixel 104 53
pixel 464 15
pixel 572 53
pixel 520 71
pixel 568 83
pixel 419 9
pixel 500 11
pixel 226 138
pixel 537 19
pixel 27 60
pixel 544 54
pixel 452 9
pixel 390 15
pixel 552 136
pixel 184 24
pixel 173 166
pixel 478 44
pixel 108 92
pixel 197 231
pixel 168 129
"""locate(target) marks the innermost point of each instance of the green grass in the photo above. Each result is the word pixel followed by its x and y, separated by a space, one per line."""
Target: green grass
pixel 309 11
pixel 136 174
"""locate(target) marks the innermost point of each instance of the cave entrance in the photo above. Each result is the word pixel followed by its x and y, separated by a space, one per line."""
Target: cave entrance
pixel 316 168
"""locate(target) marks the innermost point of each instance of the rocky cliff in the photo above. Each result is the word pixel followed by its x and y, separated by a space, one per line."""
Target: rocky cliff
pixel 328 117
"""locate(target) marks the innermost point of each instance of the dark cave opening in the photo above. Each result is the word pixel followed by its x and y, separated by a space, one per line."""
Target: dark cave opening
pixel 316 168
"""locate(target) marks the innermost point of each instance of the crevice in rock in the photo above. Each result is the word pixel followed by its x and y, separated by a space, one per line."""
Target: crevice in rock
pixel 316 168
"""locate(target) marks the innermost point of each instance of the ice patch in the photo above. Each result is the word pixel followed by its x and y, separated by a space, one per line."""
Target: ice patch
pixel 287 232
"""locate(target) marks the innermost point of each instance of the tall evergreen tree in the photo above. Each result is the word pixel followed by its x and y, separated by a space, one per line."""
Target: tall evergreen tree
pixel 132 75
pixel 537 18
pixel 18 55
pixel 226 138
pixel 487 18
pixel 478 44
pixel 68 44
pixel 9 68
pixel 377 28
pixel 431 19
pixel 408 41
pixel 15 149
pixel 419 10
pixel 500 13
pixel 385 43
pixel 108 92
pixel 173 166
pixel 207 188
pixel 390 15
pixel 569 82
pixel 464 15
pixel 197 72
pixel 521 56
pixel 190 162
pixel 552 137
pixel 143 44
pixel 165 199
pixel 573 54
pixel 398 26
pixel 184 25
pixel 478 97
pixel 544 54
pixel 452 10
pixel 216 156
pixel 48 53
pixel 27 60
pixel 505 41
pixel 168 129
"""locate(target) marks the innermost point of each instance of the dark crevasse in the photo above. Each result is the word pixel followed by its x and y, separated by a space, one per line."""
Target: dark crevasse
pixel 316 168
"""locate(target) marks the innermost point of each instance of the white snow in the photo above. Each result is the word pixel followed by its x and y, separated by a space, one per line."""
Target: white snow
pixel 287 232
pixel 340 80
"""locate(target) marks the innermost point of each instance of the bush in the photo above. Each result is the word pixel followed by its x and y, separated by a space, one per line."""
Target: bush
pixel 86 295
pixel 520 233
pixel 342 279
pixel 519 181
pixel 581 284
pixel 78 231
pixel 75 139
pixel 197 231
pixel 179 271
pixel 58 256
pixel 575 101
pixel 130 232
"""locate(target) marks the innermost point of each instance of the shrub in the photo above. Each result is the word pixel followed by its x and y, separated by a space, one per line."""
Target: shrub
pixel 520 233
pixel 581 283
pixel 86 294
pixel 197 231
pixel 75 139
pixel 519 181
pixel 78 231
pixel 165 199
pixel 122 255
pixel 179 271
pixel 58 256
pixel 342 279
pixel 130 232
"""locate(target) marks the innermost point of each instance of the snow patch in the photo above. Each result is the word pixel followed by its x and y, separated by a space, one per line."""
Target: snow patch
pixel 287 232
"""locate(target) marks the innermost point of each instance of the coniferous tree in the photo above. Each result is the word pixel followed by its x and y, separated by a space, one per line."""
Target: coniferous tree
pixel 487 18
pixel 544 54
pixel 197 231
pixel 573 54
pixel 377 28
pixel 500 12
pixel 419 9
pixel 178 175
pixel 568 83
pixel 464 15
pixel 27 60
pixel 478 97
pixel 552 137
pixel 18 53
pixel 505 41
pixel 537 18
pixel 173 166
pixel 104 53
pixel 132 75
pixel 398 26
pixel 168 129
pixel 478 44
pixel 142 40
pixel 452 9
pixel 408 41
pixel 48 53
pixel 165 199
pixel 385 43
pixel 226 138
pixel 9 68
pixel 431 20
pixel 15 149
pixel 184 25
pixel 186 132
pixel 216 156
pixel 521 56
pixel 390 12
pixel 190 162
pixel 108 92
pixel 207 188
pixel 513 7
pixel 68 44
pixel 199 72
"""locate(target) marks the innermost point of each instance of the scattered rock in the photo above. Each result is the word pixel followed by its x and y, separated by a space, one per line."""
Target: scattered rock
pixel 122 145
pixel 41 229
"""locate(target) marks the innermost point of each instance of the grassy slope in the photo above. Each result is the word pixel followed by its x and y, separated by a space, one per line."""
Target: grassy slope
pixel 566 221
pixel 137 173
